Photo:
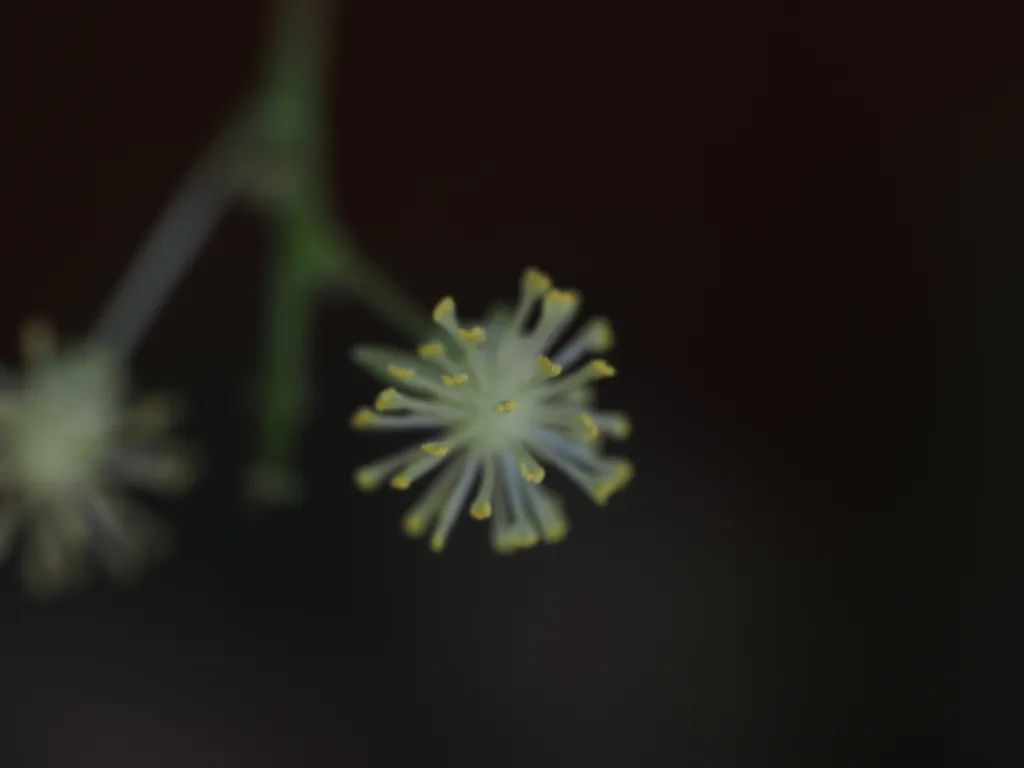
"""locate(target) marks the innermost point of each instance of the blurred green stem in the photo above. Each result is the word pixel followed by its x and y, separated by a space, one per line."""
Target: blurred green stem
pixel 314 249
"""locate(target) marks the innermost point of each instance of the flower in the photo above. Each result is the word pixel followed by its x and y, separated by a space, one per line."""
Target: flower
pixel 68 442
pixel 506 406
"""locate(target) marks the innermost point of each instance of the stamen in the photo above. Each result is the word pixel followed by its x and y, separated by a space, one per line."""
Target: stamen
pixel 548 510
pixel 402 374
pixel 599 477
pixel 521 534
pixel 382 362
pixel 481 508
pixel 536 281
pixel 444 315
pixel 431 350
pixel 366 479
pixel 596 337
pixel 443 309
pixel 370 476
pixel 602 335
pixel 621 476
pixel 615 423
pixel 473 335
pixel 470 467
pixel 530 469
pixel 416 520
pixel 386 399
pixel 557 311
pixel 417 469
pixel 367 418
pixel 391 399
pixel 560 300
pixel 362 418
pixel 595 369
pixel 532 285
pixel 548 368
pixel 413 523
pixel 436 453
pixel 532 475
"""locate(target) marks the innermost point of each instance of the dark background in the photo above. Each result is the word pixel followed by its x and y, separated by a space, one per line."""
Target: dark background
pixel 804 219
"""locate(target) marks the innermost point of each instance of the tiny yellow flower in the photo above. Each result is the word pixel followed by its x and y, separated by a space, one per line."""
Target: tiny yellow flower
pixel 69 441
pixel 505 404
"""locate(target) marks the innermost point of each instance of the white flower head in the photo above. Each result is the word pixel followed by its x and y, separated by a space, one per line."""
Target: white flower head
pixel 69 440
pixel 506 406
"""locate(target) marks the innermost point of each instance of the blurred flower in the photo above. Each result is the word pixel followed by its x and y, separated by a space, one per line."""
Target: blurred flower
pixel 69 441
pixel 505 408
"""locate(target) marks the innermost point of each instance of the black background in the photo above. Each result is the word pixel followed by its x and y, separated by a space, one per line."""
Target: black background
pixel 804 220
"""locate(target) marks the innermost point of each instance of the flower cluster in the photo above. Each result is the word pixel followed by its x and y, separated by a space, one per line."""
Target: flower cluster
pixel 69 440
pixel 505 405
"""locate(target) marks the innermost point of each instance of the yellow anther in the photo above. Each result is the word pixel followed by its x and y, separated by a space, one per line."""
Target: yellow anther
pixel 435 449
pixel 505 406
pixel 622 427
pixel 556 533
pixel 437 542
pixel 401 482
pixel 603 335
pixel 504 547
pixel 534 473
pixel 412 524
pixel 444 308
pixel 362 418
pixel 620 477
pixel 475 334
pixel 385 399
pixel 366 480
pixel 603 490
pixel 400 373
pixel 564 298
pixel 602 368
pixel 536 280
pixel 589 426
pixel 433 349
pixel 548 367
pixel 525 540
pixel 480 511
pixel 451 381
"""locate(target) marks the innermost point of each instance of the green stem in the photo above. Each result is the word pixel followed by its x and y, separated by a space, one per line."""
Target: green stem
pixel 314 248
pixel 374 288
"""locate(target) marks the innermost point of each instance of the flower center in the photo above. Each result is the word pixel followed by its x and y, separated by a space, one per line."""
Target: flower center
pixel 502 415
pixel 67 421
